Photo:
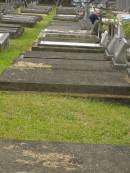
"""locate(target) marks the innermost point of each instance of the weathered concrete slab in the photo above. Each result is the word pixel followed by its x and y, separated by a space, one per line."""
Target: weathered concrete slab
pixel 66 17
pixel 39 17
pixel 87 82
pixel 13 30
pixel 42 7
pixel 66 10
pixel 65 23
pixel 19 19
pixel 56 157
pixel 69 37
pixel 64 55
pixel 66 64
pixel 4 40
pixel 65 75
pixel 73 32
pixel 67 47
pixel 66 26
pixel 35 10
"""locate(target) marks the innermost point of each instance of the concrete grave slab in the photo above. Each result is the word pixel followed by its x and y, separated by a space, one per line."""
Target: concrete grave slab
pixel 35 10
pixel 57 157
pixel 26 17
pixel 22 20
pixel 65 74
pixel 66 17
pixel 66 10
pixel 71 63
pixel 64 55
pixel 69 37
pixel 67 46
pixel 73 32
pixel 4 40
pixel 39 17
pixel 13 30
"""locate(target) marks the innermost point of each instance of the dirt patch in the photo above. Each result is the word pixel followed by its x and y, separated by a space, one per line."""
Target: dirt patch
pixel 51 160
pixel 22 64
pixel 11 147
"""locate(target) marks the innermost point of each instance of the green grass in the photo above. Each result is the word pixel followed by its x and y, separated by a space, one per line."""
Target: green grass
pixel 24 43
pixel 126 26
pixel 40 116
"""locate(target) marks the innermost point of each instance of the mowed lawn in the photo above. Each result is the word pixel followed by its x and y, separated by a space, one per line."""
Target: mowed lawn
pixel 40 116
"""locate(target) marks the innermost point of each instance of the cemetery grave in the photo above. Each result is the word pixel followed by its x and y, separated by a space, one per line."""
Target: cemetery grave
pixel 66 10
pixel 54 157
pixel 4 40
pixel 64 17
pixel 11 17
pixel 28 21
pixel 36 9
pixel 13 30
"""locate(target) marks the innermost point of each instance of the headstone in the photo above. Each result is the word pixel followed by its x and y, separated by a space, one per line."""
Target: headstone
pixel 105 39
pixel 120 55
pixel 4 40
pixel 112 46
pixel 128 72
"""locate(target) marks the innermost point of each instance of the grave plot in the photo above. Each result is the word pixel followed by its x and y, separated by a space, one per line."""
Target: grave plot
pixel 28 21
pixel 37 16
pixel 64 17
pixel 57 157
pixel 66 10
pixel 4 40
pixel 37 9
pixel 68 37
pixel 83 73
pixel 13 30
pixel 66 43
pixel 64 25
pixel 67 46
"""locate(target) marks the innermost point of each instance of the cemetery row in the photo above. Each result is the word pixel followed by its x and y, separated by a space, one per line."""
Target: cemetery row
pixel 12 23
pixel 72 56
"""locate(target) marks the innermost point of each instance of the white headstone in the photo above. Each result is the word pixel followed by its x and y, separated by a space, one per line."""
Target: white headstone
pixel 105 39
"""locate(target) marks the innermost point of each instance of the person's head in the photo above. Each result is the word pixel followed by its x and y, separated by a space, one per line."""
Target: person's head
pixel 97 12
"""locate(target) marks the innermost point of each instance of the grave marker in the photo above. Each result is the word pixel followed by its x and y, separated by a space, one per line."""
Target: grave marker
pixel 120 54
pixel 4 40
pixel 105 39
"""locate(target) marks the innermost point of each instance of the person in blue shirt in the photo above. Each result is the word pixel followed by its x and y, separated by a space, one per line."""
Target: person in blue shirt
pixel 96 15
